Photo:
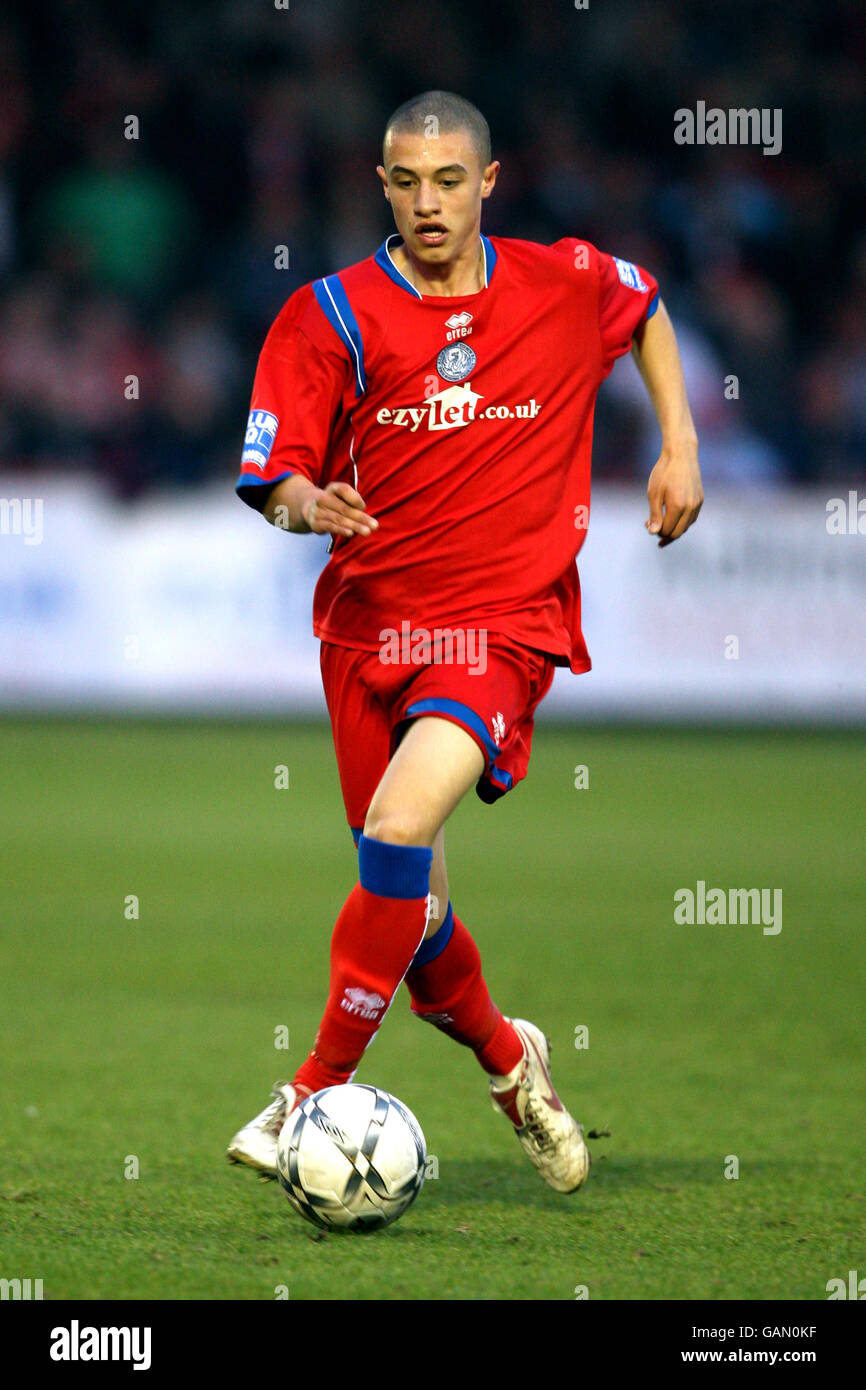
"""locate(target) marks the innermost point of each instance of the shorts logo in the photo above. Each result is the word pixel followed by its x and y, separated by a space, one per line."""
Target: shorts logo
pixel 259 439
pixel 456 362
pixel 498 726
pixel 357 1001
pixel 629 274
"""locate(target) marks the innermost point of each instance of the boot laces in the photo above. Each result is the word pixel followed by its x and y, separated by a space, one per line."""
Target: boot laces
pixel 538 1127
pixel 276 1113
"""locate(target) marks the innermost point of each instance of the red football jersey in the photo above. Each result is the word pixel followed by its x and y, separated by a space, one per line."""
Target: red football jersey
pixel 465 424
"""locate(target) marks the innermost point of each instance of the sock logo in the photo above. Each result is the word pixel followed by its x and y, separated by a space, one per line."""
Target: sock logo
pixel 357 1001
pixel 438 1020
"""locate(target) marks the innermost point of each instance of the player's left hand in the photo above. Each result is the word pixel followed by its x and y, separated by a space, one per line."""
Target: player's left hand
pixel 675 492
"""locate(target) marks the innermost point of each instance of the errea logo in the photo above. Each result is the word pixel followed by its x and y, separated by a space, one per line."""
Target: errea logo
pixel 458 326
pixel 358 1001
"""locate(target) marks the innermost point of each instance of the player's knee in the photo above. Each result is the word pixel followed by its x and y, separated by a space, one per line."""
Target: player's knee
pixel 395 828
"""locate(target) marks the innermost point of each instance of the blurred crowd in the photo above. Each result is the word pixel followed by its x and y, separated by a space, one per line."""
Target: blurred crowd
pixel 152 159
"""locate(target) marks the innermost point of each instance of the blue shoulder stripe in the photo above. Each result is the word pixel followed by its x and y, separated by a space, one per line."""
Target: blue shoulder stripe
pixel 384 262
pixel 335 305
pixel 489 258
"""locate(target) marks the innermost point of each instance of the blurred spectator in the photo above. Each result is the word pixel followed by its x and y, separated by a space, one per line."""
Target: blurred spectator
pixel 117 222
pixel 158 258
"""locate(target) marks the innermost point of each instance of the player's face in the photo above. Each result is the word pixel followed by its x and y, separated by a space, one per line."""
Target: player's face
pixel 436 186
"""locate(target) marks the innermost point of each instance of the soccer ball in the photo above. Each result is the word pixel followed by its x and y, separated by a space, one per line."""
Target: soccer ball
pixel 351 1158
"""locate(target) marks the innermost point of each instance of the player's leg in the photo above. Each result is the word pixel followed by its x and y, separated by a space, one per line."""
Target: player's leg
pixel 448 989
pixel 381 931
pixel 433 768
pixel 384 919
pixel 439 894
pixel 447 986
pixel 446 969
pixel 420 786
pixel 446 982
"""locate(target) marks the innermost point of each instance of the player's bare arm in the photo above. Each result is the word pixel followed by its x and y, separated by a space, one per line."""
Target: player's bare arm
pixel 295 504
pixel 674 491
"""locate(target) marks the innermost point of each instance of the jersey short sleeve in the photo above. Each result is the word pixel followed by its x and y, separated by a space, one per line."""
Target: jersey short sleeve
pixel 302 374
pixel 628 295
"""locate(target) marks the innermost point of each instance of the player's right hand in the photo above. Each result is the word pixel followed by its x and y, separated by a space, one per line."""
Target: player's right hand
pixel 338 510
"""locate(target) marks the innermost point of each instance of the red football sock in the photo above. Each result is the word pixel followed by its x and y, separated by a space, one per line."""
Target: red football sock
pixel 448 990
pixel 375 939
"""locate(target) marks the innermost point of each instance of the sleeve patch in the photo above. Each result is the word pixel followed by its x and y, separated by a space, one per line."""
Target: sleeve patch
pixel 629 275
pixel 259 439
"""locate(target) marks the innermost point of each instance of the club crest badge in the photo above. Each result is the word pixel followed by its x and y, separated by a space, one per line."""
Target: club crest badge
pixel 455 362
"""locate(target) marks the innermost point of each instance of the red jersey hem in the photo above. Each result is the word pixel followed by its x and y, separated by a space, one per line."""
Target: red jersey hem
pixel 560 658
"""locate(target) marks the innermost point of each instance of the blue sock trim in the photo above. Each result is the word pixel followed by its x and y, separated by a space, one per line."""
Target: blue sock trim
pixel 394 871
pixel 434 945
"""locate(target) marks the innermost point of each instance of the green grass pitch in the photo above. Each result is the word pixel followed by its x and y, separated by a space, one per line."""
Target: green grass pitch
pixel 143 1043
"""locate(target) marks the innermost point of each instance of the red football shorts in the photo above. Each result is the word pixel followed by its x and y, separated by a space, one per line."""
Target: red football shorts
pixel 492 693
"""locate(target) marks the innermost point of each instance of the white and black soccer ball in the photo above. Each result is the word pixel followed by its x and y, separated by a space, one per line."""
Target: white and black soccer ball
pixel 351 1158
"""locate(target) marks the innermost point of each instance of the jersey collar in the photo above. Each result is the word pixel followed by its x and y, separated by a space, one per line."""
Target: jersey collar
pixel 385 262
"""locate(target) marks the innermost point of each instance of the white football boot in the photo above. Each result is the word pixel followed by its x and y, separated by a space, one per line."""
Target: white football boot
pixel 551 1138
pixel 256 1143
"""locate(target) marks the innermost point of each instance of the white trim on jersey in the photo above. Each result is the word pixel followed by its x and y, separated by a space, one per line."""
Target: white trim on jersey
pixel 395 236
pixel 348 339
pixel 397 270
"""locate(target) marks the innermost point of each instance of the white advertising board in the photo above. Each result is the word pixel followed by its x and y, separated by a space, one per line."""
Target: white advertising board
pixel 189 603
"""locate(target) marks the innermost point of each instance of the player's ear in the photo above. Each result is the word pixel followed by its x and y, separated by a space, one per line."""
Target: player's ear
pixel 488 178
pixel 384 177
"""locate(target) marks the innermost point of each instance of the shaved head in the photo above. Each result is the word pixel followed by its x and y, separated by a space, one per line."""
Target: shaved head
pixel 440 113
